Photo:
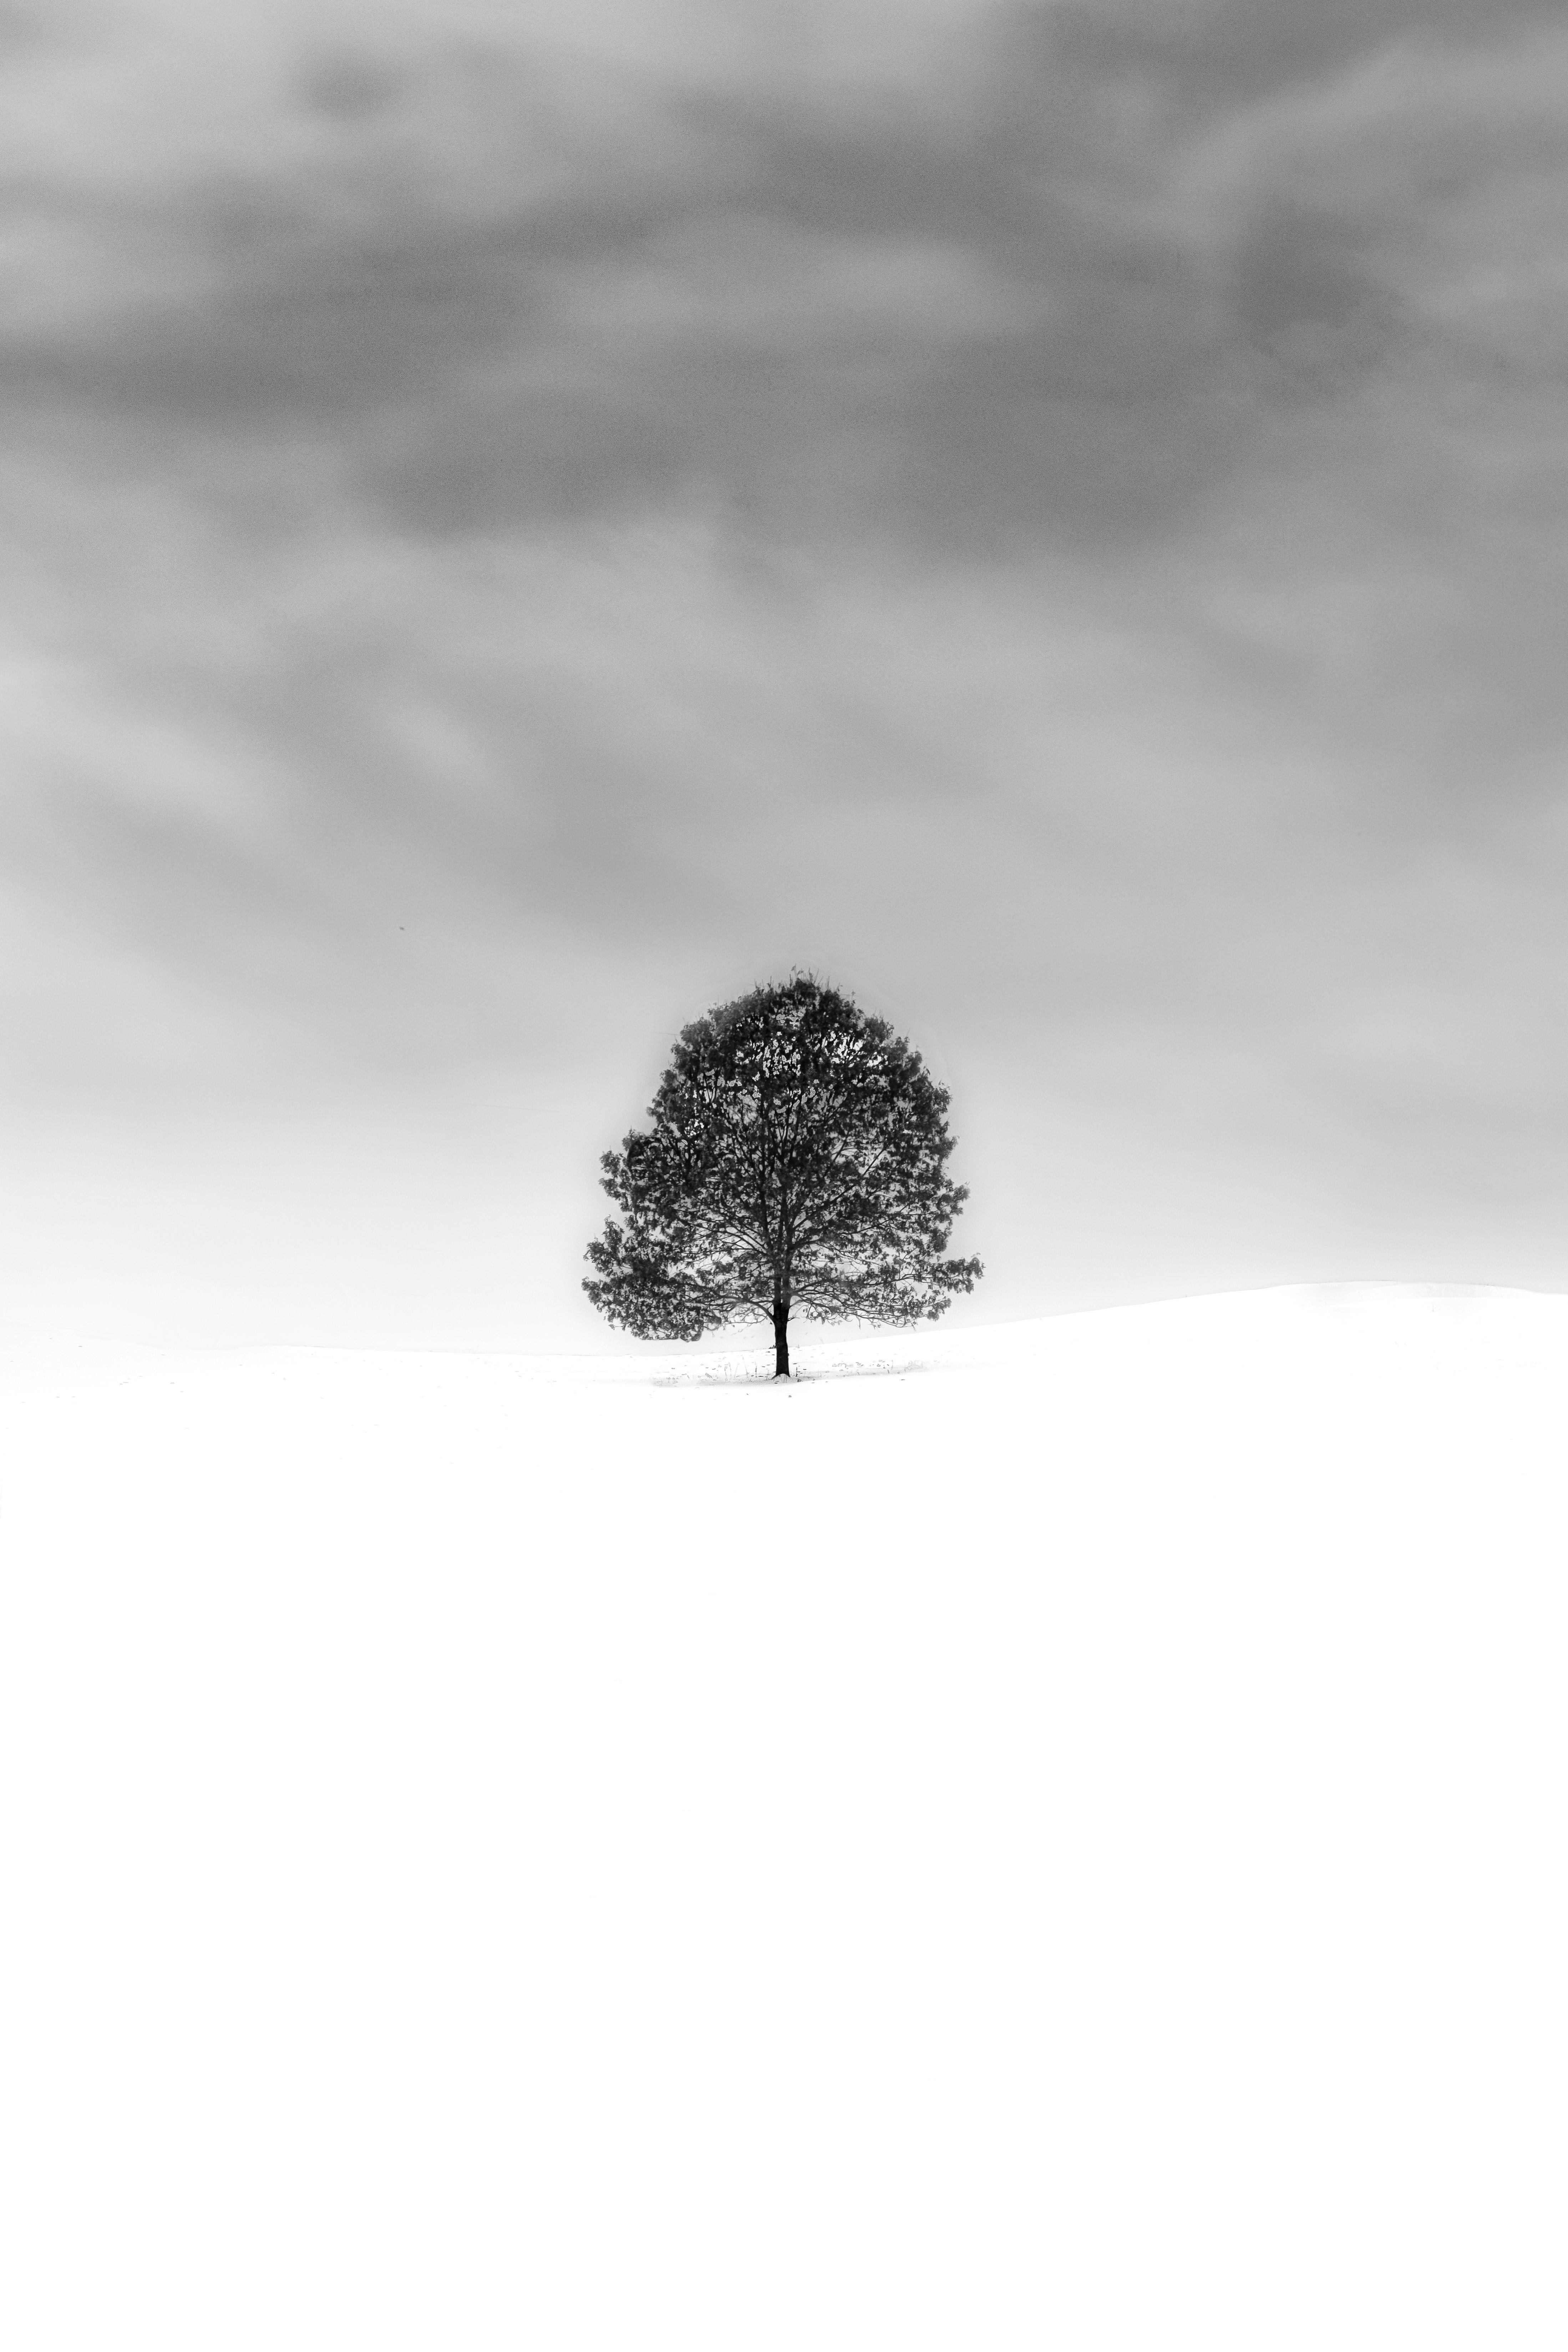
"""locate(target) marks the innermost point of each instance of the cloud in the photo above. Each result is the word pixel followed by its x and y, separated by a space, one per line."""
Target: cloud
pixel 1209 57
pixel 496 534
pixel 1049 296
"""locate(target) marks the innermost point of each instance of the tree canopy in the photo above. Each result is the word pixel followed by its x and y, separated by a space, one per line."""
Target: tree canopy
pixel 795 1164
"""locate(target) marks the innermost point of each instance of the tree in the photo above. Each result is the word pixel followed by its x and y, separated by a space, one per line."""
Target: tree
pixel 795 1164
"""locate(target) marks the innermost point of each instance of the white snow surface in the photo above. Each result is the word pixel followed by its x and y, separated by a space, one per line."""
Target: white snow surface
pixel 1050 1836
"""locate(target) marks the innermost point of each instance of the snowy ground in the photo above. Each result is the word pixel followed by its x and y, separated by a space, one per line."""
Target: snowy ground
pixel 1050 1837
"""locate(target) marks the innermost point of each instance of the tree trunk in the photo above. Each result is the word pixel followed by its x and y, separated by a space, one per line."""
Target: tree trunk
pixel 780 1339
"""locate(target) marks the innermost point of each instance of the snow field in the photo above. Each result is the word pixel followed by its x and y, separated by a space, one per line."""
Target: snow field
pixel 1042 1835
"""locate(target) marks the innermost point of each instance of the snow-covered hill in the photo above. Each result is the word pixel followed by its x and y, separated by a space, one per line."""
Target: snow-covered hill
pixel 1050 1835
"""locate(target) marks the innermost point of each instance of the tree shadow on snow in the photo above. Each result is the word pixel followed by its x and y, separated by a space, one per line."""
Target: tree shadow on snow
pixel 756 1371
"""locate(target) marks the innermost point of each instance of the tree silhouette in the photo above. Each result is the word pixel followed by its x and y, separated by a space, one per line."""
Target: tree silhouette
pixel 794 1165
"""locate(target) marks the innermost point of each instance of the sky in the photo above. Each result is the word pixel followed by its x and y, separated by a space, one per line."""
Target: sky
pixel 517 523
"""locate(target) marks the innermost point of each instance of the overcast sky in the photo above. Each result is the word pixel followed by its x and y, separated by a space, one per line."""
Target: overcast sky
pixel 519 522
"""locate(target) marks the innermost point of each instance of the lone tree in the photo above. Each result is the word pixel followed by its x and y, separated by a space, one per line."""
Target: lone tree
pixel 795 1164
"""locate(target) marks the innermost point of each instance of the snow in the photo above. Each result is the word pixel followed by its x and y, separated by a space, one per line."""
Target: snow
pixel 1041 1836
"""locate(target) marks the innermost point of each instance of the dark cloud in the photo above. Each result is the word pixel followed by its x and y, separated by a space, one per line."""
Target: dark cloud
pixel 1207 55
pixel 683 297
pixel 350 86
